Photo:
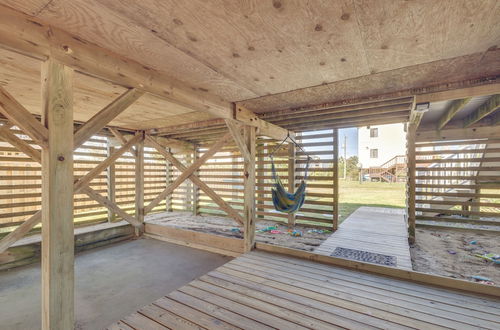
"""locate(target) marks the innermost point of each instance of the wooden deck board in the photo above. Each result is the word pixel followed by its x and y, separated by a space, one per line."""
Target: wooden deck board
pixel 373 229
pixel 260 290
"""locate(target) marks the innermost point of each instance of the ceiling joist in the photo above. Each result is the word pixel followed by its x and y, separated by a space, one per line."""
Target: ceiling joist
pixel 484 110
pixel 452 110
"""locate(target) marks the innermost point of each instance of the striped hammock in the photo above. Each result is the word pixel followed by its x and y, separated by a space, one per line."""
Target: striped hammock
pixel 284 201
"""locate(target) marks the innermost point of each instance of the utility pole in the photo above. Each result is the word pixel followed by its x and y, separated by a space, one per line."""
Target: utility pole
pixel 345 157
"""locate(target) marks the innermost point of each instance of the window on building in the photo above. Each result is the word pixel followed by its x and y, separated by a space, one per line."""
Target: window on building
pixel 373 153
pixel 373 132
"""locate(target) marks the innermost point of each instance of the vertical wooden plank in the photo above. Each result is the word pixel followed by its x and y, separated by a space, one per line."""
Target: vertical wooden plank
pixel 139 183
pixel 57 198
pixel 196 189
pixel 249 190
pixel 410 183
pixel 110 180
pixel 188 158
pixel 291 179
pixel 168 181
pixel 260 174
pixel 336 208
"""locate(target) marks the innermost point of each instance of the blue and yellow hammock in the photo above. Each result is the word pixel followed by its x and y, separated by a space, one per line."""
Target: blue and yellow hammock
pixel 284 201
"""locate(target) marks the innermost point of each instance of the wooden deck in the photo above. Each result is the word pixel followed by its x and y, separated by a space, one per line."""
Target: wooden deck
pixel 373 229
pixel 261 290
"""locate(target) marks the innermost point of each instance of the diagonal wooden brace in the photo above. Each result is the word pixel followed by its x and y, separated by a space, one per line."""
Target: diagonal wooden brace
pixel 79 185
pixel 188 171
pixel 112 206
pixel 197 181
pixel 85 180
pixel 103 117
pixel 239 139
pixel 21 117
pixel 21 145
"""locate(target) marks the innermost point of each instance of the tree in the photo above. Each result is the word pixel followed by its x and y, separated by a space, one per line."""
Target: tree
pixel 352 167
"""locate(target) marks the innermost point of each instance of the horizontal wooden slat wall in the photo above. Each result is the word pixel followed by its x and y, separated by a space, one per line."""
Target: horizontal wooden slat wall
pixel 318 209
pixel 457 183
pixel 182 197
pixel 20 183
pixel 224 174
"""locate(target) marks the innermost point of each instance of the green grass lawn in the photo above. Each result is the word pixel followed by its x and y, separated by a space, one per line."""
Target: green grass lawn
pixel 352 195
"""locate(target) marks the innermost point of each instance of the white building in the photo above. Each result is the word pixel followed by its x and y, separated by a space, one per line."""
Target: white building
pixel 380 143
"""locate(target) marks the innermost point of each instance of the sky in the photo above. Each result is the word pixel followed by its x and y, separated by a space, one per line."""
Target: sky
pixel 352 141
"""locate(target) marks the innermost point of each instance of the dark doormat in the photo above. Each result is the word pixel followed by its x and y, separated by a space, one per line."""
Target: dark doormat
pixel 365 256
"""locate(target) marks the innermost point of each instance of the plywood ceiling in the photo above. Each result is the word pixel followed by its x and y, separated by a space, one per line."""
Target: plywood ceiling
pixel 245 49
pixel 20 75
pixel 256 50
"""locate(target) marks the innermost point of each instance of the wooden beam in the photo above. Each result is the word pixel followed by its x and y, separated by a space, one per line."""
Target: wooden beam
pixel 57 198
pixel 336 208
pixel 247 117
pixel 203 186
pixel 20 231
pixel 122 139
pixel 80 184
pixel 187 127
pixel 411 181
pixel 112 206
pixel 139 183
pixel 189 171
pixel 21 145
pixel 458 134
pixel 196 189
pixel 21 117
pixel 291 179
pixel 85 180
pixel 31 36
pixel 111 182
pixel 235 131
pixel 451 111
pixel 175 145
pixel 459 93
pixel 249 189
pixel 492 105
pixel 103 117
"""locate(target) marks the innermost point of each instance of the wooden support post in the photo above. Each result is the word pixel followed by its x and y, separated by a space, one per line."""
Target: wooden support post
pixel 336 207
pixel 196 189
pixel 139 183
pixel 188 157
pixel 249 190
pixel 260 181
pixel 410 184
pixel 168 181
pixel 110 180
pixel 291 179
pixel 57 198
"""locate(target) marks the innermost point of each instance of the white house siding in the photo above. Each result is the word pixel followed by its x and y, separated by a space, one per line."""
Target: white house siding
pixel 390 142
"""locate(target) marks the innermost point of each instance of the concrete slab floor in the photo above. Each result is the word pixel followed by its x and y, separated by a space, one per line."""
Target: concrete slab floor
pixel 110 282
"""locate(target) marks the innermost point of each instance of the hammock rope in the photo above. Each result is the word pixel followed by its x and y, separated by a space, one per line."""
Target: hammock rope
pixel 283 200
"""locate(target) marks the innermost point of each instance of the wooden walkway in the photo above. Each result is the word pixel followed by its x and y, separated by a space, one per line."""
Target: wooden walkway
pixel 372 229
pixel 262 290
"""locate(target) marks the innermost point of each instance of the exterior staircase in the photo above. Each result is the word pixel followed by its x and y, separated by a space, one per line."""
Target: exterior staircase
pixel 393 170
